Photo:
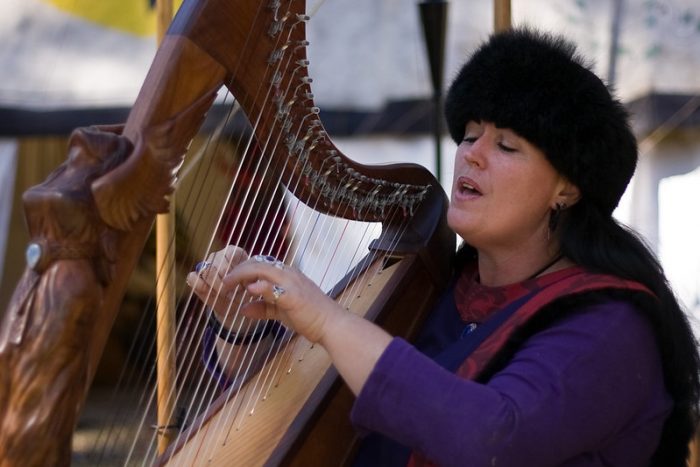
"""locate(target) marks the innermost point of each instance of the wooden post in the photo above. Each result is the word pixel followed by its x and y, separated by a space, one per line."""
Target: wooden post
pixel 501 15
pixel 433 14
pixel 165 290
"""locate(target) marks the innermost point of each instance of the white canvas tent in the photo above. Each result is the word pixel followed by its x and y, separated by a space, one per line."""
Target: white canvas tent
pixel 53 59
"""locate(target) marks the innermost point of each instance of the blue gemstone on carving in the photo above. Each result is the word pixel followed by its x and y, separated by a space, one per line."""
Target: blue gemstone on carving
pixel 33 254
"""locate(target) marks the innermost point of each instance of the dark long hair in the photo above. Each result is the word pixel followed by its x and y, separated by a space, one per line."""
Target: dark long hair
pixel 601 244
pixel 584 132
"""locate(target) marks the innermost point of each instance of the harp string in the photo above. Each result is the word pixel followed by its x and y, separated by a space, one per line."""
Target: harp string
pixel 127 378
pixel 196 336
pixel 136 350
pixel 360 284
pixel 267 209
pixel 265 390
pixel 231 424
pixel 260 375
pixel 351 262
pixel 301 126
pixel 246 410
pixel 188 325
pixel 291 257
pixel 234 229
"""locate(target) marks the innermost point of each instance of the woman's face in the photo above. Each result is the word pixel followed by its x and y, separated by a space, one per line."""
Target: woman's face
pixel 503 189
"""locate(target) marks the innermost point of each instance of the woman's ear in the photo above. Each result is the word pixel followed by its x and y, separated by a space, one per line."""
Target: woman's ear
pixel 567 195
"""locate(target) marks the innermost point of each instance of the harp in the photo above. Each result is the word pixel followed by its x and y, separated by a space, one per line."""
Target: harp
pixel 102 202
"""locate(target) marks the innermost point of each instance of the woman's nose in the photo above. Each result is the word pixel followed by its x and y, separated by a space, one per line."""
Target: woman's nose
pixel 475 153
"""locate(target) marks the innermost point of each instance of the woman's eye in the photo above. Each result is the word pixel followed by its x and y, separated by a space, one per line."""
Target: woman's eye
pixel 469 139
pixel 506 148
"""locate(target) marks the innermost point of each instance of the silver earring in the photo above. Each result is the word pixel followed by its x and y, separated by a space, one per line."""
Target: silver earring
pixel 554 215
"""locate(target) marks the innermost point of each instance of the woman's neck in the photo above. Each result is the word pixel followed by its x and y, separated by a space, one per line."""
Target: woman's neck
pixel 509 268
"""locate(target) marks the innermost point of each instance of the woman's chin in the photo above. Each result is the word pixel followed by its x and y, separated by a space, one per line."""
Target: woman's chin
pixel 460 222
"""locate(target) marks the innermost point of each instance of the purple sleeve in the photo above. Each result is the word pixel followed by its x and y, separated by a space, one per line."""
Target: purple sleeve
pixel 210 356
pixel 570 389
pixel 211 359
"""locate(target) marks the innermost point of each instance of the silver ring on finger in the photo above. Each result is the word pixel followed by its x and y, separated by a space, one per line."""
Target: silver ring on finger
pixel 201 268
pixel 277 292
pixel 269 259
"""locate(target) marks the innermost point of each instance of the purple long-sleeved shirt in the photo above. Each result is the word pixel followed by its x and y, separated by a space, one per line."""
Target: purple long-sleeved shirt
pixel 586 391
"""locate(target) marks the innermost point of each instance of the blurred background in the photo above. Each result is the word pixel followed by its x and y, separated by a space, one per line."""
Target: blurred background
pixel 71 63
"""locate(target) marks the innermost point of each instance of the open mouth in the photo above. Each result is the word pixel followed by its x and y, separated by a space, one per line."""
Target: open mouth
pixel 467 187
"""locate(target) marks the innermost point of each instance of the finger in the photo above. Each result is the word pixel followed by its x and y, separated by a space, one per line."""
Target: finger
pixel 264 311
pixel 204 278
pixel 226 256
pixel 224 260
pixel 202 269
pixel 210 289
pixel 258 287
pixel 191 279
pixel 269 292
pixel 251 271
pixel 196 281
pixel 218 265
pixel 213 278
pixel 257 309
pixel 225 306
pixel 235 255
pixel 200 287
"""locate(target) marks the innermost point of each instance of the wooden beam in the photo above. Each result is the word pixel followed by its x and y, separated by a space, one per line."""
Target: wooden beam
pixel 165 291
pixel 501 15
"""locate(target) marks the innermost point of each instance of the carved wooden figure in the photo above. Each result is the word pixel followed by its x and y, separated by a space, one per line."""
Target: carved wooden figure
pixel 53 310
pixel 75 228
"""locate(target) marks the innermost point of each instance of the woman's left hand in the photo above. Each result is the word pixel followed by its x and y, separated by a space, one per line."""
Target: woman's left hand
pixel 285 294
pixel 353 343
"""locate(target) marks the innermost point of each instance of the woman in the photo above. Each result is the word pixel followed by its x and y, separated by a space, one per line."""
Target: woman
pixel 581 354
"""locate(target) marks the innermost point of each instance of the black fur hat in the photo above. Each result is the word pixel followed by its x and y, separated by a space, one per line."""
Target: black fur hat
pixel 538 86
